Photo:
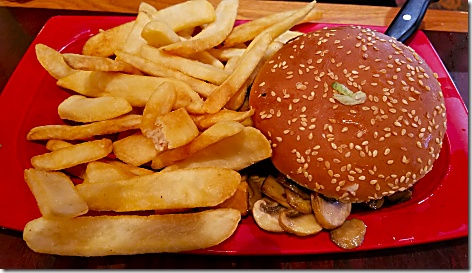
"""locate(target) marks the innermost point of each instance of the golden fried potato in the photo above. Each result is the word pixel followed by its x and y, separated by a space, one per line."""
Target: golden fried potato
pixel 52 61
pixel 282 26
pixel 67 132
pixel 225 54
pixel 74 155
pixel 135 89
pixel 82 109
pixel 206 121
pixel 211 135
pixel 130 168
pixel 55 193
pixel 98 171
pixel 105 43
pixel 238 201
pixel 186 188
pixel 190 67
pixel 160 102
pixel 56 144
pixel 173 130
pixel 186 15
pixel 213 34
pixel 223 93
pixel 135 149
pixel 152 68
pixel 95 63
pixel 159 33
pixel 236 152
pixel 131 234
pixel 248 31
pixel 134 41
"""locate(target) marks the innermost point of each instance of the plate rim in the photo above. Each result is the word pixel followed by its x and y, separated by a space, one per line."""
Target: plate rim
pixel 29 62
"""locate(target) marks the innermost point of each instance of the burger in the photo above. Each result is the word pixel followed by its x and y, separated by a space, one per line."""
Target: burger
pixel 351 113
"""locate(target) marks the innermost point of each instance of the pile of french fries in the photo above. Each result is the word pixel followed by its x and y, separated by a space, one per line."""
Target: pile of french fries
pixel 163 125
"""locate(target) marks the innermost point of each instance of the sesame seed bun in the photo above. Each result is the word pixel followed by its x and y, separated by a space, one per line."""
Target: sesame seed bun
pixel 354 153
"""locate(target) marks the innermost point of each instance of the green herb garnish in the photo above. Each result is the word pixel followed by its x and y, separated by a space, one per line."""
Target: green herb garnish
pixel 346 96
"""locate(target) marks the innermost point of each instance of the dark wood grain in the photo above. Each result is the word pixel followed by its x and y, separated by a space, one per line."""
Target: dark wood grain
pixel 453 254
pixel 437 20
pixel 18 27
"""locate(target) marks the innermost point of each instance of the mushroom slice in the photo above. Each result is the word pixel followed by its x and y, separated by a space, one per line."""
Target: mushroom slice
pixel 275 190
pixel 293 187
pixel 298 223
pixel 329 213
pixel 297 202
pixel 254 190
pixel 375 204
pixel 266 213
pixel 349 235
pixel 400 196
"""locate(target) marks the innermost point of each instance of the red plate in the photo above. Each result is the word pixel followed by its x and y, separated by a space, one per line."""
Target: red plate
pixel 438 210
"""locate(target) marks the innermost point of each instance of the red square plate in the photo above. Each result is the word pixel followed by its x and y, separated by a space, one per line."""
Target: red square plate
pixel 437 211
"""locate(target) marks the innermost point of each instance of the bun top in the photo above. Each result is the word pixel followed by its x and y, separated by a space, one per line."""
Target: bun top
pixel 308 101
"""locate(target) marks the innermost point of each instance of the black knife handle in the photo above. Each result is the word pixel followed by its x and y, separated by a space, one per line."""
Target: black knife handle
pixel 408 20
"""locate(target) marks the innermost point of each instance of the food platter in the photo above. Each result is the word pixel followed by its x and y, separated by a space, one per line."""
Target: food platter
pixel 438 210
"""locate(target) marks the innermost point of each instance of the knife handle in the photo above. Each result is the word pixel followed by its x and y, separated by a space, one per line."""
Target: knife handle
pixel 408 19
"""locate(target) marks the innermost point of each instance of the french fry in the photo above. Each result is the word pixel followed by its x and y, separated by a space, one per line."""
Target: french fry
pixel 187 188
pixel 237 100
pixel 98 171
pixel 236 152
pixel 186 15
pixel 134 41
pixel 94 63
pixel 213 34
pixel 159 33
pixel 82 83
pixel 173 129
pixel 206 121
pixel 282 26
pixel 247 122
pixel 74 155
pixel 154 69
pixel 190 67
pixel 82 109
pixel 131 234
pixel 238 201
pixel 206 58
pixel 160 102
pixel 56 144
pixel 55 193
pixel 52 61
pixel 67 132
pixel 232 63
pixel 132 169
pixel 211 135
pixel 223 93
pixel 105 43
pixel 135 149
pixel 287 36
pixel 225 54
pixel 135 89
pixel 186 33
pixel 249 30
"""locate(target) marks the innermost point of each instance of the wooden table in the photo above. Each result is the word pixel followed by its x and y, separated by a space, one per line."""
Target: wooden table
pixel 20 21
